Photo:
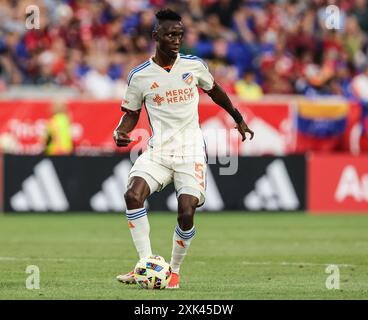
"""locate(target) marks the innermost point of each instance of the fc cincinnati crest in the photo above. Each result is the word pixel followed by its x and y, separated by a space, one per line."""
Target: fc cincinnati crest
pixel 187 78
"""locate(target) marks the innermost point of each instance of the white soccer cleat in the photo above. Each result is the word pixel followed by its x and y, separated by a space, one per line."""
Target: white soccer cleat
pixel 126 278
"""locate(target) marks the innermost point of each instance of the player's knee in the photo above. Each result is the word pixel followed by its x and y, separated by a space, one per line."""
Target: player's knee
pixel 133 199
pixel 186 216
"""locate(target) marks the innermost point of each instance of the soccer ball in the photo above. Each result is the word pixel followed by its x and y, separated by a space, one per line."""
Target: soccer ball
pixel 152 272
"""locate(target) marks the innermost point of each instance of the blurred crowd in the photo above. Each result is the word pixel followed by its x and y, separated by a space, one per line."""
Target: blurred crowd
pixel 253 47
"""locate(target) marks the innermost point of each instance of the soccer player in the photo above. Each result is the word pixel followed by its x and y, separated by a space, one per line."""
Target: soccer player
pixel 167 85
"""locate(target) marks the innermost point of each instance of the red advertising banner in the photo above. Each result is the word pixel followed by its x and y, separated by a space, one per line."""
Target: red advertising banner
pixel 337 183
pixel 22 125
pixel 93 123
pixel 272 123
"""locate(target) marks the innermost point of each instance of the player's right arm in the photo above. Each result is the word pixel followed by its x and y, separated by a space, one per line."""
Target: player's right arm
pixel 127 123
pixel 131 105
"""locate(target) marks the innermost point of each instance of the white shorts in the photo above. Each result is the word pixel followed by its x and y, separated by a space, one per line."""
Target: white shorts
pixel 187 172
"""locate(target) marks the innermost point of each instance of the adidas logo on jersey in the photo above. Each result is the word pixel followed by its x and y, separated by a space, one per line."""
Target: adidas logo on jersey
pixel 110 198
pixel 42 191
pixel 273 191
pixel 154 85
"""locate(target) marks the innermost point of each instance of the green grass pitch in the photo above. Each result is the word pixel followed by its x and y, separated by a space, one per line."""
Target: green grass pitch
pixel 233 256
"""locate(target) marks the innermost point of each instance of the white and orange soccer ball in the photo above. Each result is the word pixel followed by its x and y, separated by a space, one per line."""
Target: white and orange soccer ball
pixel 152 272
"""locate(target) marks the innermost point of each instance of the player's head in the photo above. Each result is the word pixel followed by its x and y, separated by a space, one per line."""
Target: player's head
pixel 168 32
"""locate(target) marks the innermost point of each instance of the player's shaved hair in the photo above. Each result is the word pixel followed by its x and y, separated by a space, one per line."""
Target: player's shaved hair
pixel 166 15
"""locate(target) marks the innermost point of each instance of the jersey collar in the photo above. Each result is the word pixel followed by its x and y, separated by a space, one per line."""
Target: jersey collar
pixel 161 68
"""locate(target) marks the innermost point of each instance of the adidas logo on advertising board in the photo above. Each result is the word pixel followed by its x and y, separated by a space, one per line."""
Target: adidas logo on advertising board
pixel 42 191
pixel 273 191
pixel 110 198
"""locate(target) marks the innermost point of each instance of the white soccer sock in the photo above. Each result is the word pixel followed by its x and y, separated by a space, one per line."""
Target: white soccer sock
pixel 140 229
pixel 181 243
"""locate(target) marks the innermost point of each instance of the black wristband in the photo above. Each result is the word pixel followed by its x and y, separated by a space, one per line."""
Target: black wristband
pixel 237 116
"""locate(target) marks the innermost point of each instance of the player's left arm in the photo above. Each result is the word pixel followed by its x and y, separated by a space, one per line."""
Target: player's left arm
pixel 219 96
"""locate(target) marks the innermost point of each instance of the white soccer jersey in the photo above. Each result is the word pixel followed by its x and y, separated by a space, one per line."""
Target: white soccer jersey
pixel 171 100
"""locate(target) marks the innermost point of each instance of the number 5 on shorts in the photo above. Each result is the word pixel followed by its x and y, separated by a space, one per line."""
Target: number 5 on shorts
pixel 199 173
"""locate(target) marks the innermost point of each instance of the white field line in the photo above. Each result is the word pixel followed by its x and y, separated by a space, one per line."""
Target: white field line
pixel 252 263
pixel 60 259
pixel 304 264
pixel 284 263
